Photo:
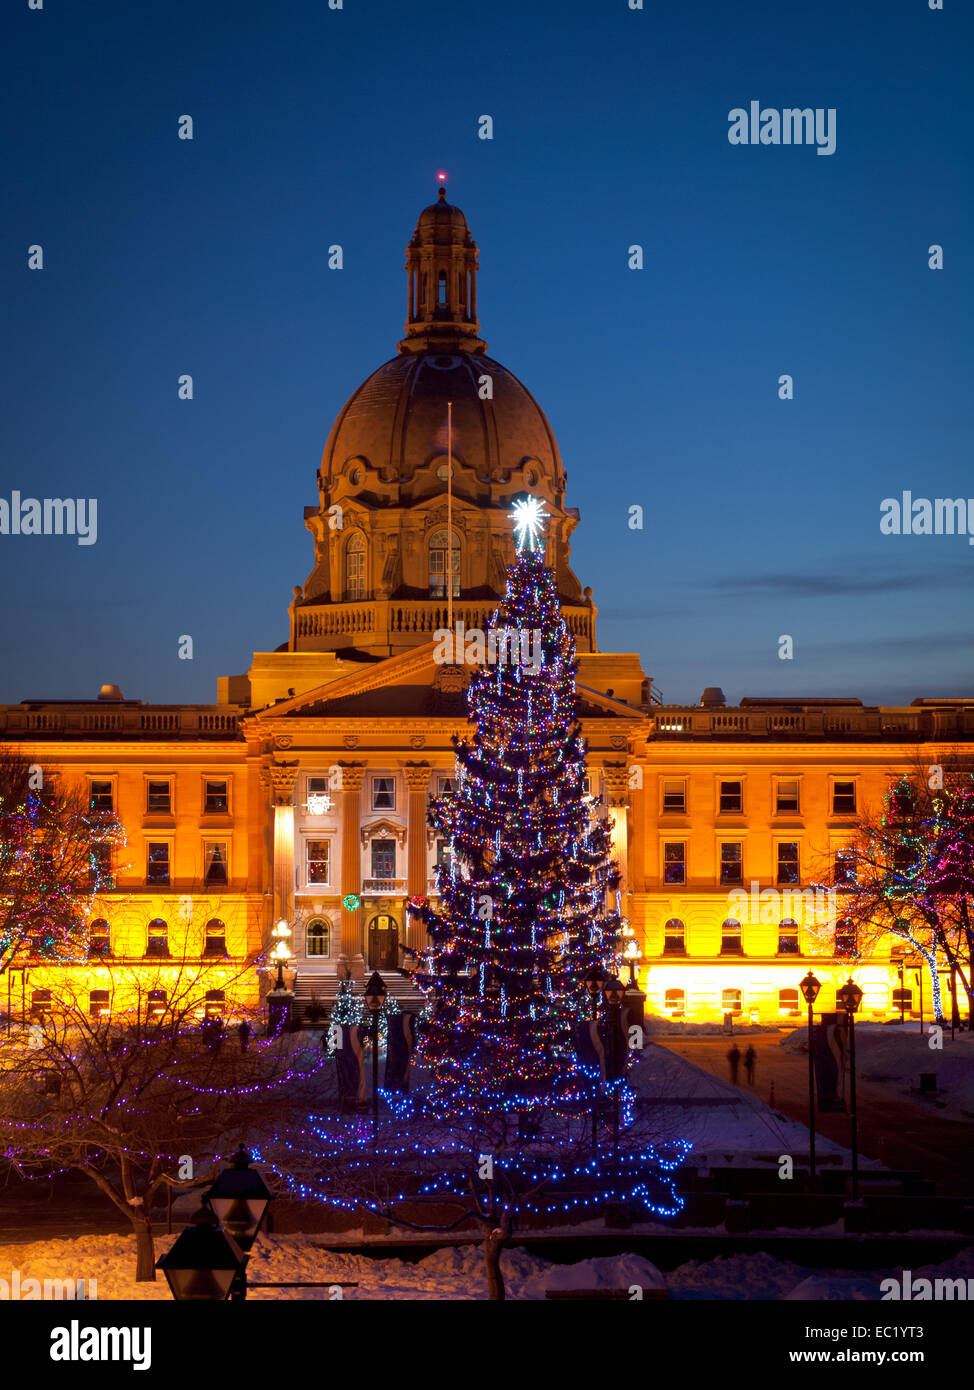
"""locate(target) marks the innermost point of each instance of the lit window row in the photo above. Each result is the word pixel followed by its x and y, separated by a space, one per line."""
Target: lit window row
pixel 787 859
pixel 732 942
pixel 160 797
pixel 730 797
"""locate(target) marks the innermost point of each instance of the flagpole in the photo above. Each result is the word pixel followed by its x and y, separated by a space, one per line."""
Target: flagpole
pixel 449 518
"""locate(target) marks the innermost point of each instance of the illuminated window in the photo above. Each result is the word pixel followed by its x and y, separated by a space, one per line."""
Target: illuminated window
pixel 731 861
pixel 102 796
pixel 318 938
pixel 788 943
pixel 674 938
pixel 40 1002
pixel 318 859
pixel 675 795
pixel 215 863
pixel 902 999
pixel 845 866
pixel 383 793
pixel 98 1003
pixel 157 862
pixel 731 798
pixel 731 1001
pixel 215 934
pixel 788 861
pixel 674 861
pixel 99 938
pixel 100 869
pixel 675 1002
pixel 383 859
pixel 787 796
pixel 730 938
pixel 355 566
pixel 846 943
pixel 213 1004
pixel 156 1003
pixel 444 557
pixel 443 855
pixel 215 799
pixel 157 943
pixel 788 1001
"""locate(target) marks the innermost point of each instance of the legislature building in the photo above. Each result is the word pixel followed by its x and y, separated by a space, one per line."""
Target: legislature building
pixel 301 795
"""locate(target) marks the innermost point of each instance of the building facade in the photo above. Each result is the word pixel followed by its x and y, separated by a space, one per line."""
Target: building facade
pixel 302 793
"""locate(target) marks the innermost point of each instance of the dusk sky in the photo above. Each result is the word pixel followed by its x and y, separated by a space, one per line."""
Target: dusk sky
pixel 316 126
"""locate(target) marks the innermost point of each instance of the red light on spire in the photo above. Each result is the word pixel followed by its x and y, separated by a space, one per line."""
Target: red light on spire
pixel 441 178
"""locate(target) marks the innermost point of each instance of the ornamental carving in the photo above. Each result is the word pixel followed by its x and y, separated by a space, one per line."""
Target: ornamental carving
pixel 351 740
pixel 283 741
pixel 417 776
pixel 283 777
pixel 353 775
pixel 417 741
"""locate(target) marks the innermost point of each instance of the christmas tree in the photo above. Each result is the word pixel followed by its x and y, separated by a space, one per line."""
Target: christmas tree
pixel 522 908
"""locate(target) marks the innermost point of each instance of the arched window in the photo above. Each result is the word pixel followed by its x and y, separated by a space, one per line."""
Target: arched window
pixel 158 939
pixel 444 559
pixel 99 938
pixel 731 1001
pixel 355 566
pixel 788 942
pixel 216 938
pixel 318 938
pixel 788 1001
pixel 675 938
pixel 675 1002
pixel 730 938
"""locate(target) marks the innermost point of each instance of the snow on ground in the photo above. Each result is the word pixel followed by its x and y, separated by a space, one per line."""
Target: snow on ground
pixel 724 1123
pixel 898 1053
pixel 455 1273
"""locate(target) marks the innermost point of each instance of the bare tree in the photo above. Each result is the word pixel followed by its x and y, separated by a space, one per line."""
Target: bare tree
pixel 127 1095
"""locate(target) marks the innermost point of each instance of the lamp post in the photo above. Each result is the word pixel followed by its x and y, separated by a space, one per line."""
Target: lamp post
pixel 810 987
pixel 375 997
pixel 902 993
pixel 280 997
pixel 239 1199
pixel 204 1262
pixel 613 990
pixel 849 997
pixel 282 951
pixel 593 980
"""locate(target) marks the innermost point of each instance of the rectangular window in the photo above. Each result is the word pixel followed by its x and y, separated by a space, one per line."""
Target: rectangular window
pixel 731 798
pixel 788 861
pixel 157 862
pixel 675 861
pixel 318 857
pixel 100 875
pixel 902 800
pixel 731 861
pixel 215 862
pixel 675 795
pixel 445 786
pixel 317 786
pixel 845 866
pixel 843 798
pixel 215 798
pixel 98 1003
pixel 443 852
pixel 102 796
pixel 158 798
pixel 383 859
pixel 730 938
pixel 383 793
pixel 156 1003
pixel 787 796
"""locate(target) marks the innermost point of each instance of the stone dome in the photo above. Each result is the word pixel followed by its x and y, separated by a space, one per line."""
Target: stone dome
pixel 396 420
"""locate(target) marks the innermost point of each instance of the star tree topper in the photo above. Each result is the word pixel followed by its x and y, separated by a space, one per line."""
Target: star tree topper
pixel 528 514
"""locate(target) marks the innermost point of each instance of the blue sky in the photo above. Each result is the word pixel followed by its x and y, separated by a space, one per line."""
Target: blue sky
pixel 315 126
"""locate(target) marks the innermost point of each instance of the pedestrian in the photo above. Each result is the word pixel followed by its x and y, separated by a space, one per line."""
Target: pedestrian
pixel 243 1032
pixel 734 1061
pixel 750 1057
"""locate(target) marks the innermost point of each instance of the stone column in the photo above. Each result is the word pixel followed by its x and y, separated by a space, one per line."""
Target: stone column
pixel 417 777
pixel 353 776
pixel 282 791
pixel 616 779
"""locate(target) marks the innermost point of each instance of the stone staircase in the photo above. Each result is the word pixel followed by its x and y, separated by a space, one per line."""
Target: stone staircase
pixel 407 995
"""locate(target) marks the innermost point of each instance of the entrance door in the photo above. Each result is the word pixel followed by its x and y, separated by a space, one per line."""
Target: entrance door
pixel 383 942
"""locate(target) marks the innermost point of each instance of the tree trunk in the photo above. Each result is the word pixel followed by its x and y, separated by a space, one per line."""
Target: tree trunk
pixel 145 1266
pixel 493 1244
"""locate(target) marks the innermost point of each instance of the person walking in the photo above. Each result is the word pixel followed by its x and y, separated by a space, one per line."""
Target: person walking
pixel 734 1061
pixel 750 1057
